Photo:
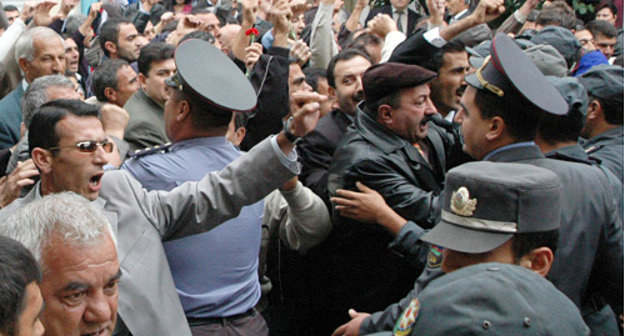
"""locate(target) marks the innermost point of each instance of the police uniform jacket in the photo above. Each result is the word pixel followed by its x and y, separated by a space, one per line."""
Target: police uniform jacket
pixel 588 260
pixel 148 302
pixel 608 147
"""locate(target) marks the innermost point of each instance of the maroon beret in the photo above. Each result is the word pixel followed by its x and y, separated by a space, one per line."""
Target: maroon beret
pixel 381 80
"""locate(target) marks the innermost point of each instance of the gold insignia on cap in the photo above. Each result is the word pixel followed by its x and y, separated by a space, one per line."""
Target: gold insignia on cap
pixel 461 203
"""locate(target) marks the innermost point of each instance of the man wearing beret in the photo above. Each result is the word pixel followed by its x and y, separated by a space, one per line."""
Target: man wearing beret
pixel 500 112
pixel 603 124
pixel 394 149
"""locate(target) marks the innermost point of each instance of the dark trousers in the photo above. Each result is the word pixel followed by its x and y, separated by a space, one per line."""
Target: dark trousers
pixel 247 324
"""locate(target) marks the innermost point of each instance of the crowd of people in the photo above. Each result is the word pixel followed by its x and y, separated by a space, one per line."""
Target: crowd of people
pixel 297 167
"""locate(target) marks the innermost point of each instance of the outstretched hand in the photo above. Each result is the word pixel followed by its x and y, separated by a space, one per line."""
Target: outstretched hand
pixel 305 108
pixel 351 328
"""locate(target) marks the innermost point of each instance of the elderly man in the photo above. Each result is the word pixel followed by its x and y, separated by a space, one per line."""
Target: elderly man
pixel 146 107
pixel 20 297
pixel 39 52
pixel 75 245
pixel 69 146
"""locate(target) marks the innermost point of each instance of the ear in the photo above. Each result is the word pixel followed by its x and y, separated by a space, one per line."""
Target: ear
pixel 141 79
pixel 538 260
pixel 594 110
pixel 111 47
pixel 240 134
pixel 24 64
pixel 384 115
pixel 331 91
pixel 497 127
pixel 183 112
pixel 111 95
pixel 42 159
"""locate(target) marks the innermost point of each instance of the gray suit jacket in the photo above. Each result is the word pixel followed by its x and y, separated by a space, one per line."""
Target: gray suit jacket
pixel 146 126
pixel 148 302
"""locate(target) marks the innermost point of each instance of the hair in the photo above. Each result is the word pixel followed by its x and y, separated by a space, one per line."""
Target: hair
pixel 204 116
pixel 604 4
pixel 344 55
pixel 74 22
pixel 554 129
pixel 364 40
pixel 36 94
pixel 437 60
pixel 393 100
pixel 109 31
pixel 198 35
pixel 18 269
pixel 601 27
pixel 198 10
pixel 312 76
pixel 521 119
pixel 66 214
pixel 240 120
pixel 10 8
pixel 154 52
pixel 25 45
pixel 557 14
pixel 42 131
pixel 523 243
pixel 105 76
pixel 612 108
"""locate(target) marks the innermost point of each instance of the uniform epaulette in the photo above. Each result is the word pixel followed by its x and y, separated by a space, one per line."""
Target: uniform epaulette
pixel 150 150
pixel 592 149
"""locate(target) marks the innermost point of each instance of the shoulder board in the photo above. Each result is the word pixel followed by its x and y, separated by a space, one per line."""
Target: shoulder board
pixel 150 150
pixel 592 149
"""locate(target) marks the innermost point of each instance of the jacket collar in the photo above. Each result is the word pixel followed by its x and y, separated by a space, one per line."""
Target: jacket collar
pixel 515 153
pixel 573 153
pixel 383 138
pixel 612 136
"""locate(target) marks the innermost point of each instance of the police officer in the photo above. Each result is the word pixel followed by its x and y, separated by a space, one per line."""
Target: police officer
pixel 501 213
pixel 216 272
pixel 603 125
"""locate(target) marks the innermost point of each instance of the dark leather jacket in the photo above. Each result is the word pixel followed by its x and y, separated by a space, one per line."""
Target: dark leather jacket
pixel 391 165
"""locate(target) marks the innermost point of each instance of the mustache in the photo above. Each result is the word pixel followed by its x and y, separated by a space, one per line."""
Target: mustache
pixel 460 90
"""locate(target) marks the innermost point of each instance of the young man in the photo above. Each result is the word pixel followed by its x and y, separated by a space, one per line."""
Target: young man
pixel 146 126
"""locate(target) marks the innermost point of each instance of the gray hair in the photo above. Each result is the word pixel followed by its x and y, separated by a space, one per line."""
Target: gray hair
pixel 25 45
pixel 37 95
pixel 73 22
pixel 66 214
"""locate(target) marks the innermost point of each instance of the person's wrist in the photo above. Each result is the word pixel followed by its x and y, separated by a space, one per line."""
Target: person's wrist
pixel 290 132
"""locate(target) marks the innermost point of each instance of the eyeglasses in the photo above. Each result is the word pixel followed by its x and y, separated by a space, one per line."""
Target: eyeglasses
pixel 88 146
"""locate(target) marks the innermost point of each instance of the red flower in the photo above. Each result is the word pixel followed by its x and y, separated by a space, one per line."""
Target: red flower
pixel 252 31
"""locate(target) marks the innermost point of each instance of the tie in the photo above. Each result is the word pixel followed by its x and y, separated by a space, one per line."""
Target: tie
pixel 399 20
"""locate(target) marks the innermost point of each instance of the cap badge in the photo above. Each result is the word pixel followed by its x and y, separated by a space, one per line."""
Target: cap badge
pixel 461 203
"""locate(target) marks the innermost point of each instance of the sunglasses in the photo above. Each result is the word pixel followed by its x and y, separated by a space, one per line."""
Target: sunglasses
pixel 88 146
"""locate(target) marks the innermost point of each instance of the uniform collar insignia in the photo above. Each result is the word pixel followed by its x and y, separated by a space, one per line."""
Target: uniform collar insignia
pixel 461 203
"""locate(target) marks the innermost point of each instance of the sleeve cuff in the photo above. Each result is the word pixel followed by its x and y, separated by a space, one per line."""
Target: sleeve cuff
pixel 288 160
pixel 434 38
